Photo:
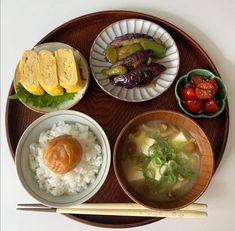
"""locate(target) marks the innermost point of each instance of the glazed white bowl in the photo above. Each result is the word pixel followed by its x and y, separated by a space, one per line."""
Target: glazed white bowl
pixel 138 94
pixel 31 135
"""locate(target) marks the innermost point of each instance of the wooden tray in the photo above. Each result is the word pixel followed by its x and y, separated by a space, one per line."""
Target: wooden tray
pixel 113 114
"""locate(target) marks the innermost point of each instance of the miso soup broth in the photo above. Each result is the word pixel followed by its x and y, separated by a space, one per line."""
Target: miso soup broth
pixel 160 160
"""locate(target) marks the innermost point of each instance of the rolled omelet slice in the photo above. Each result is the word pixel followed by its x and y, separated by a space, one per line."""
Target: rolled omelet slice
pixel 48 73
pixel 29 72
pixel 67 70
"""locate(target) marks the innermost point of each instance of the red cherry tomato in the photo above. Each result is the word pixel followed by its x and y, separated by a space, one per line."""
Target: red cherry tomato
pixel 193 106
pixel 214 83
pixel 197 79
pixel 187 93
pixel 210 106
pixel 205 90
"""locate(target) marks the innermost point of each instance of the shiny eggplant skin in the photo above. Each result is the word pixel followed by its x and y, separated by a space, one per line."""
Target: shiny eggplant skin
pixel 128 39
pixel 135 60
pixel 139 76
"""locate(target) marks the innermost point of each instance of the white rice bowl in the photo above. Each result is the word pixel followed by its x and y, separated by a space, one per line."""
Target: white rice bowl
pixel 79 178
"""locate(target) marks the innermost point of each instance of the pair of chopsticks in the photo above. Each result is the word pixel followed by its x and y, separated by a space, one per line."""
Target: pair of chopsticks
pixel 194 210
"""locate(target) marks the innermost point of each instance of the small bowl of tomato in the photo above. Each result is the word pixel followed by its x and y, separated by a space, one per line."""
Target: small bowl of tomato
pixel 201 94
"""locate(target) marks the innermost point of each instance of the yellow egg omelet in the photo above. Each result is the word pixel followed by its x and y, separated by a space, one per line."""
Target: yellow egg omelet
pixel 51 72
pixel 29 72
pixel 48 78
pixel 68 71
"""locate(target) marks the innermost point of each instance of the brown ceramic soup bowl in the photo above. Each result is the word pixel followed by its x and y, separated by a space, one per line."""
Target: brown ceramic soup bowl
pixel 205 152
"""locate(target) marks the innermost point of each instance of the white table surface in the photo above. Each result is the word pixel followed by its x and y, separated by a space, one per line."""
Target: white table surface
pixel 211 23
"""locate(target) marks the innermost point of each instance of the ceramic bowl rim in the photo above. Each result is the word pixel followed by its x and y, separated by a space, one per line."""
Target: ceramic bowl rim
pixel 34 125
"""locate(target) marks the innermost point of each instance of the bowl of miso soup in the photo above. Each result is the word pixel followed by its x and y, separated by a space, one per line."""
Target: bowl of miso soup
pixel 163 160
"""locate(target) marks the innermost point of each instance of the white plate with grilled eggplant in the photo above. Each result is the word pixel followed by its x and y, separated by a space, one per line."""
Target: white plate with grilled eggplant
pixel 51 76
pixel 134 60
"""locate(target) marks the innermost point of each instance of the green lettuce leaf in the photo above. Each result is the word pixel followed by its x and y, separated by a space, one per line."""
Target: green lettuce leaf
pixel 41 101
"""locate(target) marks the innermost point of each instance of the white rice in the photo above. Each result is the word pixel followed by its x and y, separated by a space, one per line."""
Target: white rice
pixel 82 175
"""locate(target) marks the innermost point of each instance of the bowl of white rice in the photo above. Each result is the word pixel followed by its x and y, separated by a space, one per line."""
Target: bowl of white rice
pixel 77 185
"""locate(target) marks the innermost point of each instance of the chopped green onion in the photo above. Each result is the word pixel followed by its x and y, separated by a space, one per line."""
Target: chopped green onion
pixel 172 164
pixel 152 150
pixel 158 161
pixel 163 157
pixel 187 172
pixel 171 178
pixel 150 173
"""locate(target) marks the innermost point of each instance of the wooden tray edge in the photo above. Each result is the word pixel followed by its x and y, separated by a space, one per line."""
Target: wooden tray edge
pixel 138 14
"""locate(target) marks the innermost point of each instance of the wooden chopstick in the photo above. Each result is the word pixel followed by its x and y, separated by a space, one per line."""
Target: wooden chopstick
pixel 118 209
pixel 138 213
pixel 50 210
pixel 132 206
